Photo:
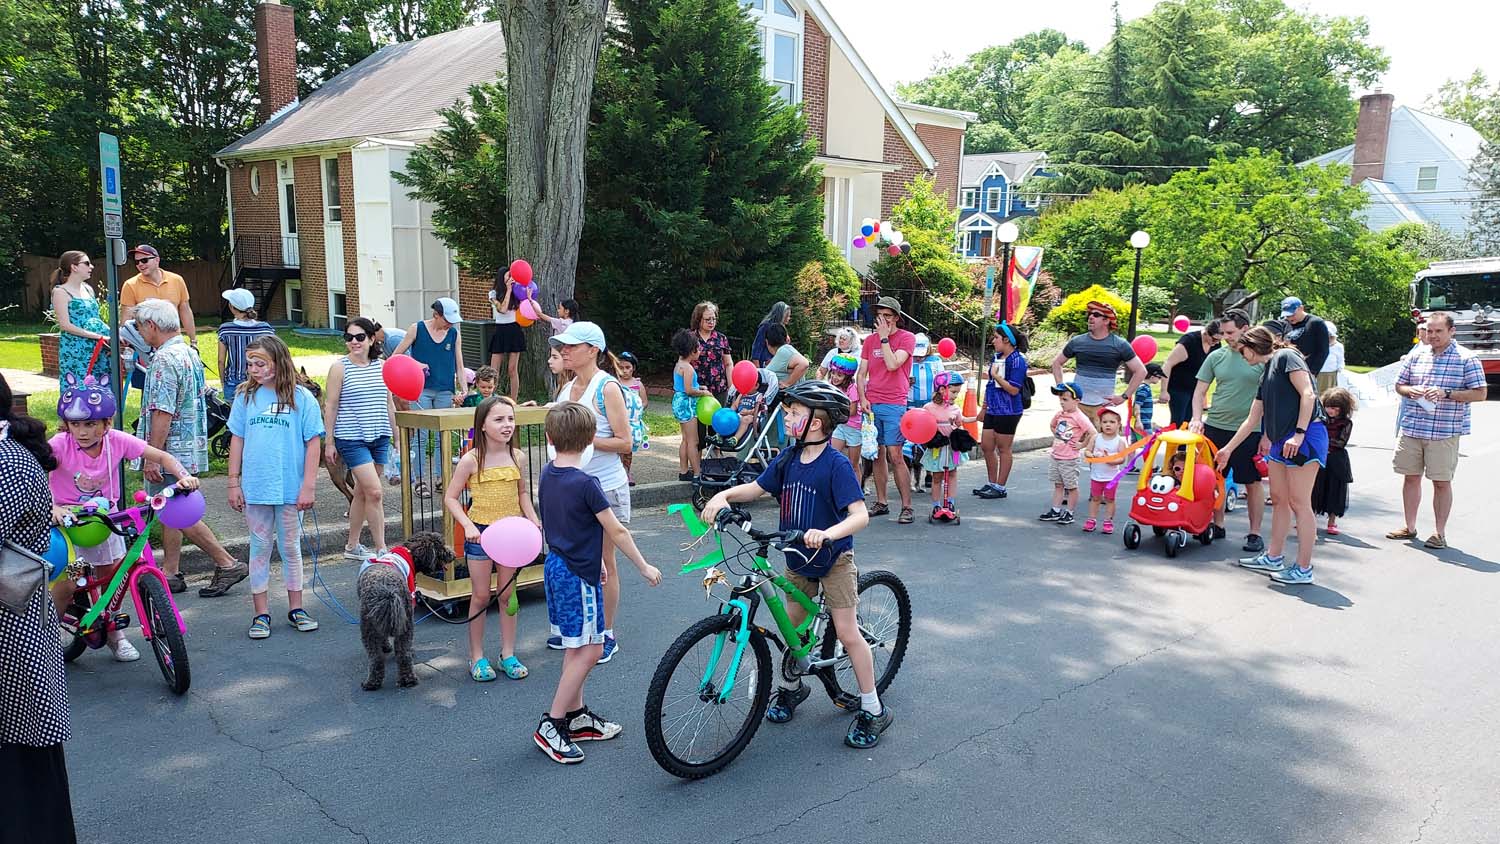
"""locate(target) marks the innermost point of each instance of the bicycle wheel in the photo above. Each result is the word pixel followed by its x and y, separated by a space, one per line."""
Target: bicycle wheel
pixel 73 644
pixel 885 619
pixel 692 734
pixel 166 639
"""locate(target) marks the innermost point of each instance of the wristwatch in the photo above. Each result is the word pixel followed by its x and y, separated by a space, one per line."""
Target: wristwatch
pixel 1448 393
pixel 1299 430
pixel 885 341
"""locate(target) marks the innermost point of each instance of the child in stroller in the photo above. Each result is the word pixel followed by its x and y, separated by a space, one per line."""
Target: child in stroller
pixel 730 461
pixel 1177 504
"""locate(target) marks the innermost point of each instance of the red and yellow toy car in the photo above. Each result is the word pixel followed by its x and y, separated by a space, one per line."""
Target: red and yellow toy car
pixel 1176 508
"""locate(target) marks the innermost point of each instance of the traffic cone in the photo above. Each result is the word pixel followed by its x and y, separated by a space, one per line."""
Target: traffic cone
pixel 971 408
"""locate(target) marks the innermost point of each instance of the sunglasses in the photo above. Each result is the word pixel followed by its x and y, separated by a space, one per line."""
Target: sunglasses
pixel 356 338
pixel 143 260
pixel 84 263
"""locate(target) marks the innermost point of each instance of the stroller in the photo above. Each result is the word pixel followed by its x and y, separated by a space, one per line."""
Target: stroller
pixel 730 461
pixel 1176 512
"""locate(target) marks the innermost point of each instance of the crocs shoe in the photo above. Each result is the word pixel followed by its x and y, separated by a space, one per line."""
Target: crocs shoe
pixel 260 628
pixel 481 671
pixel 513 668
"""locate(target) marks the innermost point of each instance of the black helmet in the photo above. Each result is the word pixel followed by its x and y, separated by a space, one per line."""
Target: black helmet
pixel 818 395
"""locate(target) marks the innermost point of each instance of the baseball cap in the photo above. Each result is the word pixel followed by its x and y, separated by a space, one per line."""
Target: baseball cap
pixel 581 333
pixel 1289 305
pixel 1154 370
pixel 145 249
pixel 1069 387
pixel 448 309
pixel 239 298
pixel 923 345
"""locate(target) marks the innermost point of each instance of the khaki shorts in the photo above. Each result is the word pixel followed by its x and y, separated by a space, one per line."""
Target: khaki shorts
pixel 840 586
pixel 1064 473
pixel 1438 459
pixel 619 502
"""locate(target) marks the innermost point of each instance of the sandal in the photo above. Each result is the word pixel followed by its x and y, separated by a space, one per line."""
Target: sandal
pixel 481 672
pixel 906 517
pixel 513 668
pixel 1403 533
pixel 880 509
pixel 1436 541
pixel 260 628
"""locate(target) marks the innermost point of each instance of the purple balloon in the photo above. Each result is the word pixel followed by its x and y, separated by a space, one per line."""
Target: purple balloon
pixel 183 510
pixel 860 243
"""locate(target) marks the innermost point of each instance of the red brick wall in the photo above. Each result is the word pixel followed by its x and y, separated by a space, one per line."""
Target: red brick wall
pixel 351 256
pixel 307 176
pixel 893 185
pixel 815 81
pixel 276 58
pixel 473 294
pixel 946 145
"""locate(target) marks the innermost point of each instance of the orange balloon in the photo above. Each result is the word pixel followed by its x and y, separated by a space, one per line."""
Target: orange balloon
pixel 522 321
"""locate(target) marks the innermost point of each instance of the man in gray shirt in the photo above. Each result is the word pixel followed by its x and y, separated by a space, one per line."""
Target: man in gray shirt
pixel 1097 356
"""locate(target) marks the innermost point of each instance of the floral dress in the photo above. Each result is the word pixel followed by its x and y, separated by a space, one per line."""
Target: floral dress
pixel 74 352
pixel 712 376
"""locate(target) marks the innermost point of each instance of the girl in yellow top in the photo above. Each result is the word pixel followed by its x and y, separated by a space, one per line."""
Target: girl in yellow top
pixel 494 473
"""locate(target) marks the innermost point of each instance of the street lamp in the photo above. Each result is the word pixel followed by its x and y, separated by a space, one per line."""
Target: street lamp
pixel 1140 240
pixel 1007 234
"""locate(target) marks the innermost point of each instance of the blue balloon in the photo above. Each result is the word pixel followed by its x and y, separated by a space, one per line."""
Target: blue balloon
pixel 866 230
pixel 726 422
pixel 59 554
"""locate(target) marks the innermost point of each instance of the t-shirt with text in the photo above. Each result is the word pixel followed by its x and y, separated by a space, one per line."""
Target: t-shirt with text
pixel 275 448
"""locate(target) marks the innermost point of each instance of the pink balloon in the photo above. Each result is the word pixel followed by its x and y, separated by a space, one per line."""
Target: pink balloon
pixel 182 510
pixel 1181 323
pixel 893 250
pixel 403 377
pixel 520 271
pixel 527 309
pixel 512 542
pixel 860 242
pixel 1145 347
pixel 918 425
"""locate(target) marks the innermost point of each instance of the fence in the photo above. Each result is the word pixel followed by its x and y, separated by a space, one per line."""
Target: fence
pixel 205 280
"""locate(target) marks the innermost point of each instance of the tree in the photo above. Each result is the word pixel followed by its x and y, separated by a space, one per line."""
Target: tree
pixel 335 35
pixel 931 267
pixel 1470 101
pixel 1484 219
pixel 702 185
pixel 1087 242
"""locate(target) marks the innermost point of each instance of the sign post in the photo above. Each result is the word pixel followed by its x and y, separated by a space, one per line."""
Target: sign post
pixel 114 234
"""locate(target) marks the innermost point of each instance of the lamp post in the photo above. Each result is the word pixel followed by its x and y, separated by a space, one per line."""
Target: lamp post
pixel 1008 233
pixel 1140 240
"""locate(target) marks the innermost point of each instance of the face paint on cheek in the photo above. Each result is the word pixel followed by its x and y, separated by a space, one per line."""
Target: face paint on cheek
pixel 797 425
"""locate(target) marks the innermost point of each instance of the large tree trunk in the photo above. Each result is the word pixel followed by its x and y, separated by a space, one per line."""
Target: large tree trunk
pixel 551 53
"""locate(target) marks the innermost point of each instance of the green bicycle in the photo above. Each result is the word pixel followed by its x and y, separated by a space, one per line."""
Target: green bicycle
pixel 707 699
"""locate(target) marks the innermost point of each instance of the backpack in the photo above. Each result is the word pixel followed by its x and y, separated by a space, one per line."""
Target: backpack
pixel 1028 389
pixel 640 438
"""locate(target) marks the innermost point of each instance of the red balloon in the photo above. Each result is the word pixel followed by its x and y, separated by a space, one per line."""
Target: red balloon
pixel 893 250
pixel 1145 347
pixel 1182 323
pixel 520 271
pixel 745 377
pixel 918 426
pixel 404 377
pixel 947 348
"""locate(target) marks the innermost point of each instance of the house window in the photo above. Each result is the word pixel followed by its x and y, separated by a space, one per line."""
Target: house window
pixel 294 303
pixel 1427 178
pixel 992 199
pixel 331 190
pixel 337 319
pixel 784 67
pixel 1033 200
pixel 779 32
pixel 255 179
pixel 970 198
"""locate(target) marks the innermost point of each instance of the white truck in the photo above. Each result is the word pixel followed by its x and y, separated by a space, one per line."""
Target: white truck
pixel 1470 290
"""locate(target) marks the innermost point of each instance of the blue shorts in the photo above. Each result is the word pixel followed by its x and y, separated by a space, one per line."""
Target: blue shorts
pixel 575 609
pixel 684 407
pixel 358 453
pixel 888 423
pixel 1314 448
pixel 474 550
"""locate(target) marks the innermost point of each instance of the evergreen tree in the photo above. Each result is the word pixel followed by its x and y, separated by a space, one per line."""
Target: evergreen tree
pixel 1484 219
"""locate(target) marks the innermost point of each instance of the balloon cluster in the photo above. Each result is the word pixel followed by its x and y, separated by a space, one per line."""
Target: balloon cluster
pixel 881 234
pixel 523 289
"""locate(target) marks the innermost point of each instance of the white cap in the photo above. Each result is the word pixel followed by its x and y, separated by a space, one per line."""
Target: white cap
pixel 448 309
pixel 923 345
pixel 581 333
pixel 239 298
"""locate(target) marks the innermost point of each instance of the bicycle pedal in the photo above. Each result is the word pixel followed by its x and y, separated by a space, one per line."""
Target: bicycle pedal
pixel 121 621
pixel 846 702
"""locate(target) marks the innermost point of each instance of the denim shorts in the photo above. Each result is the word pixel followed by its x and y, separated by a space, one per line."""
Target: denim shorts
pixel 357 452
pixel 888 423
pixel 474 550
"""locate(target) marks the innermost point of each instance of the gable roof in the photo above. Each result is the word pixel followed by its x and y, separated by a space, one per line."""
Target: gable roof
pixel 1460 139
pixel 1386 194
pixel 892 112
pixel 1015 166
pixel 397 89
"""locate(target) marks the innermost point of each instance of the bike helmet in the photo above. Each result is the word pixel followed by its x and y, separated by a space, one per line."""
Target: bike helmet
pixel 846 364
pixel 819 395
pixel 947 379
pixel 84 400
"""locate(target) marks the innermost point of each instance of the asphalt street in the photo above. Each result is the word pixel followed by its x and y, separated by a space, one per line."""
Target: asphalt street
pixel 1058 688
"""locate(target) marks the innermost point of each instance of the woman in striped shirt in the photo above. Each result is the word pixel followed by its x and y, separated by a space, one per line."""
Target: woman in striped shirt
pixel 235 336
pixel 357 410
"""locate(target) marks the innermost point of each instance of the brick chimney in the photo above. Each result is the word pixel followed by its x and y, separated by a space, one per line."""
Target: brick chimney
pixel 1371 130
pixel 275 57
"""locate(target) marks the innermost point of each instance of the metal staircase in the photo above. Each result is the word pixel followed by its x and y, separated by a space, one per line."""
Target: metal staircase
pixel 261 268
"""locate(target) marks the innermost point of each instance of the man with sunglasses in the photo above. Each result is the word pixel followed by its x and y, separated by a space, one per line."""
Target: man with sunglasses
pixel 1098 354
pixel 153 282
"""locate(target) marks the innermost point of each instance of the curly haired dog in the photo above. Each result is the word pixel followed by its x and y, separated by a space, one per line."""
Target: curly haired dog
pixel 387 594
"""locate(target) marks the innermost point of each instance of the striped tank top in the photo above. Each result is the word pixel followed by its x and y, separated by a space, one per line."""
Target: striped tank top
pixel 362 403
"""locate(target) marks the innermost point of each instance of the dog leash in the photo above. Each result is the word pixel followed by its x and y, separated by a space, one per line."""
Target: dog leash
pixel 325 593
pixel 493 601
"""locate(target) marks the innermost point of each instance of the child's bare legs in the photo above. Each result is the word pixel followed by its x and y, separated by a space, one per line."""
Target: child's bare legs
pixel 577 662
pixel 1094 502
pixel 846 627
pixel 687 451
pixel 1070 499
pixel 507 578
pixel 611 586
pixel 1059 497
pixel 1109 509
pixel 479 598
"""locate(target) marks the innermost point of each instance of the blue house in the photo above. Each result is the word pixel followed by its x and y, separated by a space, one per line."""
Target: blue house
pixel 992 189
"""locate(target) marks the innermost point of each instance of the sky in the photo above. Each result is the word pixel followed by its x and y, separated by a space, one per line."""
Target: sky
pixel 1428 42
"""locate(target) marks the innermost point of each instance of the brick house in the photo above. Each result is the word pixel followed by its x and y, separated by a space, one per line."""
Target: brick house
pixel 321 230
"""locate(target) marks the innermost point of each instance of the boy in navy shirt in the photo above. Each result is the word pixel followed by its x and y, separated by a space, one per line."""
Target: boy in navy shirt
pixel 576 516
pixel 820 495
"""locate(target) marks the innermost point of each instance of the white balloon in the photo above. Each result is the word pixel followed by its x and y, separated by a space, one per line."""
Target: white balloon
pixel 868 221
pixel 897 238
pixel 887 226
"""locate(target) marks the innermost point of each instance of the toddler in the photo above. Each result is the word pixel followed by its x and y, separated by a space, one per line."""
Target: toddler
pixel 1101 496
pixel 685 395
pixel 1330 495
pixel 628 364
pixel 1071 433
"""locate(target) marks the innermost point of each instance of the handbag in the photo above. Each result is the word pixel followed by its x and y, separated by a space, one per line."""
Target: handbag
pixel 22 574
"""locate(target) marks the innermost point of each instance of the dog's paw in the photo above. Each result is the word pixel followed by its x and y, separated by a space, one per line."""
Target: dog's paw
pixel 370 685
pixel 406 682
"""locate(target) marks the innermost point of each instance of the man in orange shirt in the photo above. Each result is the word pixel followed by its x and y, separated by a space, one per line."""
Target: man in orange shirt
pixel 152 282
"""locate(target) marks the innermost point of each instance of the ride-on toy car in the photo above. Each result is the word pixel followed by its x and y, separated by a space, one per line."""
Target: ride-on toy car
pixel 1175 511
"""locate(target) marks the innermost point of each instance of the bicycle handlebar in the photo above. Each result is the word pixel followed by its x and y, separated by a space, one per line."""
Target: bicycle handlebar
pixel 740 517
pixel 119 522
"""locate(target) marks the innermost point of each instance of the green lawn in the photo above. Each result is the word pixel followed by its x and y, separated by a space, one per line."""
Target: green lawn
pixel 19 348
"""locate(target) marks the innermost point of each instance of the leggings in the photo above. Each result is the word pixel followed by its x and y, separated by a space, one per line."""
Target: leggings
pixel 278 525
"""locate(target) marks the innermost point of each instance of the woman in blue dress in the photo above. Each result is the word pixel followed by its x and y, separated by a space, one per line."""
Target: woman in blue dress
pixel 78 320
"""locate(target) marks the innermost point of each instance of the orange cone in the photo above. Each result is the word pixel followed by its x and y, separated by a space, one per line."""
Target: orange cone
pixel 971 408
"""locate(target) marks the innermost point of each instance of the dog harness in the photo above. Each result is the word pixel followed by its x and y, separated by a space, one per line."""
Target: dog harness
pixel 400 559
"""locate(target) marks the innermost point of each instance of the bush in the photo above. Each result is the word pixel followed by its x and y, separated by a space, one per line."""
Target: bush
pixel 824 290
pixel 1045 344
pixel 1071 317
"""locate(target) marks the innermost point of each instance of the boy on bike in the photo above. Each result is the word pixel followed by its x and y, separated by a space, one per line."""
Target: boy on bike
pixel 820 495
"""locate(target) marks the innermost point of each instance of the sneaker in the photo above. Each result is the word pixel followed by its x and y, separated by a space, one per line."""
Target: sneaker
pixel 1219 532
pixel 1254 544
pixel 176 583
pixel 610 649
pixel 357 554
pixel 1293 576
pixel 784 703
pixel 223 579
pixel 865 729
pixel 586 726
pixel 1065 517
pixel 302 621
pixel 124 651
pixel 1263 562
pixel 1089 525
pixel 260 628
pixel 552 737
pixel 1052 515
pixel 555 643
pixel 1109 527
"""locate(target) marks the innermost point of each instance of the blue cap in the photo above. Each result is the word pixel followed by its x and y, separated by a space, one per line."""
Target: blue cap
pixel 1069 387
pixel 1289 305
